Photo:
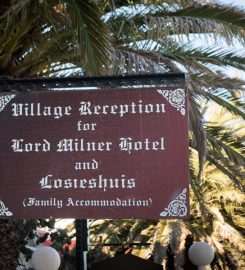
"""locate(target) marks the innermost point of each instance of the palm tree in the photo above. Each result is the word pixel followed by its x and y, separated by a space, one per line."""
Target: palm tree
pixel 153 38
pixel 39 37
pixel 36 37
pixel 54 38
pixel 217 206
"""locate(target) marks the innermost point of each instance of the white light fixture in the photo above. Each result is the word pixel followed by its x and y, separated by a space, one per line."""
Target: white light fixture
pixel 45 258
pixel 201 254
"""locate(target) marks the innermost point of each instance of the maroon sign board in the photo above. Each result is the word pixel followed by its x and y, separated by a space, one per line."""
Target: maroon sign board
pixel 120 153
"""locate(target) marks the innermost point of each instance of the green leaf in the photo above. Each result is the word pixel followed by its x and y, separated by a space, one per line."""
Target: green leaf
pixel 226 104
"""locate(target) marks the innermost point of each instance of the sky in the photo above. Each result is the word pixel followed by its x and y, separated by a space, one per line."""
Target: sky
pixel 233 2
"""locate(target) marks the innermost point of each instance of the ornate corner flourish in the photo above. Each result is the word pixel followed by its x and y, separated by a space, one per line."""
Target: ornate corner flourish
pixel 176 98
pixel 4 211
pixel 177 207
pixel 4 100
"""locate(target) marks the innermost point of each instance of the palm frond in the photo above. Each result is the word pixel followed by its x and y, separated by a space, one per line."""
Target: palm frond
pixel 157 21
pixel 159 252
pixel 221 138
pixel 220 84
pixel 225 231
pixel 131 61
pixel 91 35
pixel 201 56
pixel 196 127
pixel 199 201
pixel 80 21
pixel 220 13
pixel 156 28
pixel 223 169
pixel 226 104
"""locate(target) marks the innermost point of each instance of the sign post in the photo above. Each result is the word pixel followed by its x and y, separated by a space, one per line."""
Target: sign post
pixel 120 152
pixel 81 243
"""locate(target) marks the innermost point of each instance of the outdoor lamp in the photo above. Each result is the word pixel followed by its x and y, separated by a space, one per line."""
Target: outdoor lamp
pixel 45 258
pixel 201 254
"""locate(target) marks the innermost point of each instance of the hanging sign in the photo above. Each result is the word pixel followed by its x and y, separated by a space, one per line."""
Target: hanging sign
pixel 120 153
